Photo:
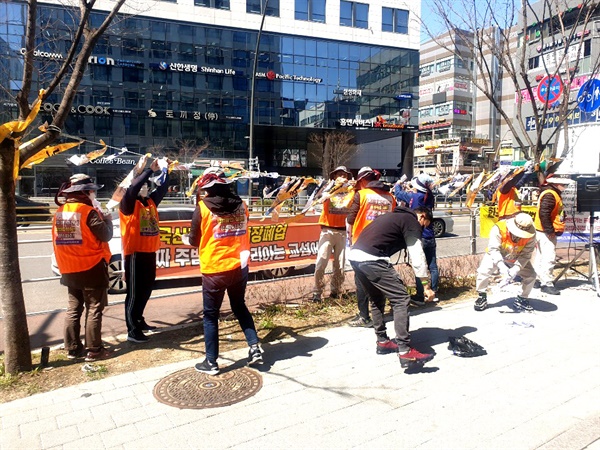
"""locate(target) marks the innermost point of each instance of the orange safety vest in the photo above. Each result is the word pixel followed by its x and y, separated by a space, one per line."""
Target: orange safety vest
pixel 223 239
pixel 557 215
pixel 140 231
pixel 507 204
pixel 372 205
pixel 75 247
pixel 510 250
pixel 336 209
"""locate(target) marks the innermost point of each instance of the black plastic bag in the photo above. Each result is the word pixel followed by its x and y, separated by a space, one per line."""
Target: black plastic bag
pixel 461 346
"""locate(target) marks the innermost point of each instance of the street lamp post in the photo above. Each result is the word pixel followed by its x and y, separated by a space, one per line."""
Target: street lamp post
pixel 252 87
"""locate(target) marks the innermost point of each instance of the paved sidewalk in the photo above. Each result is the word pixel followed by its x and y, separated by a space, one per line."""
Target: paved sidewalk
pixel 538 387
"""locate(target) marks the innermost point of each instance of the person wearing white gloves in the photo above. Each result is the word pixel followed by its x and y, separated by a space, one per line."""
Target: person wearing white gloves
pixel 510 249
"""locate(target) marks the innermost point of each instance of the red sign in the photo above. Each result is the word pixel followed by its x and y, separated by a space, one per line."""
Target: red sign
pixel 272 245
pixel 550 89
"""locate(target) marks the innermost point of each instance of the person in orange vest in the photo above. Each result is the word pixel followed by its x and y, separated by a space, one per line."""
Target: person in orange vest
pixel 509 202
pixel 510 248
pixel 333 238
pixel 220 231
pixel 549 223
pixel 372 199
pixel 80 235
pixel 140 238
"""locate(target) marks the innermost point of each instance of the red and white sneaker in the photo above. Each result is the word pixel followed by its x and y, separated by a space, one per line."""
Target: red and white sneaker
pixel 414 357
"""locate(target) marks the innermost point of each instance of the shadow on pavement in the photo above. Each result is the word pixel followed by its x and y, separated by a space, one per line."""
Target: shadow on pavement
pixel 537 305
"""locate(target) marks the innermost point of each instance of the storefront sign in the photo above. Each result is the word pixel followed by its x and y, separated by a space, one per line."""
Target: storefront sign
pixel 80 109
pixel 272 76
pixel 432 124
pixel 366 123
pixel 114 161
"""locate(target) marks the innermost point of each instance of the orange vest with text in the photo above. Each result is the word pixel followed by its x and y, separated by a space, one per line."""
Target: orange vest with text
pixel 75 247
pixel 510 250
pixel 557 215
pixel 507 204
pixel 336 209
pixel 372 205
pixel 139 231
pixel 223 239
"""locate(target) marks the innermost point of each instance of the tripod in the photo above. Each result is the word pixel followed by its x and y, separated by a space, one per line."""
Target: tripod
pixel 592 274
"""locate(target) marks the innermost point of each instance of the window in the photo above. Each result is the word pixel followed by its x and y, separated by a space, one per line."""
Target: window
pixel 444 66
pixel 587 48
pixel 101 73
pixel 256 7
pixel 442 110
pixel 354 14
pixel 534 62
pixel 133 75
pixel 425 161
pixel 426 70
pixel 394 20
pixel 311 10
pixel 217 4
pixel 426 112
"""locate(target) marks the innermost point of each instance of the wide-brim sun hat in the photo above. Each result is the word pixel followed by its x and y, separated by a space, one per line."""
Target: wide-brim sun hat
pixel 366 171
pixel 213 176
pixel 82 182
pixel 340 169
pixel 559 180
pixel 521 226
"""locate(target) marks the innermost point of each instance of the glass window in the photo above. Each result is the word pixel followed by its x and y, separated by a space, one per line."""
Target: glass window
pixel 394 20
pixel 354 14
pixel 256 7
pixel 311 10
pixel 101 73
pixel 218 4
pixel 133 75
pixel 187 79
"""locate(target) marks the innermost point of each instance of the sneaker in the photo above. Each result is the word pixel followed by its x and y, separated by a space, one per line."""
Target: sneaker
pixel 79 352
pixel 550 290
pixel 359 321
pixel 255 355
pixel 481 302
pixel 207 367
pixel 316 298
pixel 145 327
pixel 385 347
pixel 102 353
pixel 522 304
pixel 417 300
pixel 537 284
pixel 137 336
pixel 414 356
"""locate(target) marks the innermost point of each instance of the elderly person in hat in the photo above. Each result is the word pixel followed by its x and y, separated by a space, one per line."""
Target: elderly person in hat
pixel 80 234
pixel 220 231
pixel 510 249
pixel 371 200
pixel 549 223
pixel 422 196
pixel 332 240
pixel 140 237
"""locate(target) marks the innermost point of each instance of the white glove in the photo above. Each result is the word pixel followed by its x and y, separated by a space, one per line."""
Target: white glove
pixel 513 271
pixel 529 167
pixel 503 268
pixel 185 239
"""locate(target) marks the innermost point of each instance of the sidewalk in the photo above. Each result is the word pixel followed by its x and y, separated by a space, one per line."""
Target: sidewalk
pixel 538 387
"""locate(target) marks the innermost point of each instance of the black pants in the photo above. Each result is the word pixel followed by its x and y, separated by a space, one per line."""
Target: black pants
pixel 140 273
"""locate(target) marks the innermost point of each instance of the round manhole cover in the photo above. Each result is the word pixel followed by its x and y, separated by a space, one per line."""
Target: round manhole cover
pixel 189 389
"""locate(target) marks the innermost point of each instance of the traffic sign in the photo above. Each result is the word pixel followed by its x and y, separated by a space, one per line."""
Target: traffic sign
pixel 550 89
pixel 588 96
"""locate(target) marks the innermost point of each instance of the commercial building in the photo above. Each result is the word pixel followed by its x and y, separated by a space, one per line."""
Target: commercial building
pixel 179 74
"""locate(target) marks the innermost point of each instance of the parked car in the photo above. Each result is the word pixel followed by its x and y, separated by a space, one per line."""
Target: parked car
pixel 442 223
pixel 275 249
pixel 31 211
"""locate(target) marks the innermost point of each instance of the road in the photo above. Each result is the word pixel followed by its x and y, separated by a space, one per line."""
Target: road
pixel 43 291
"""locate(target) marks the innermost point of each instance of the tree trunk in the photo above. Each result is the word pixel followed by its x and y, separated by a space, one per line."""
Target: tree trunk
pixel 17 356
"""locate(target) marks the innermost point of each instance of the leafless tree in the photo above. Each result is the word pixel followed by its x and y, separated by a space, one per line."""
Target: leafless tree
pixel 332 149
pixel 501 34
pixel 13 152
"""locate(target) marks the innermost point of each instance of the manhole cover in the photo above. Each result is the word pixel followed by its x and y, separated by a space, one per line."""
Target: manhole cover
pixel 189 389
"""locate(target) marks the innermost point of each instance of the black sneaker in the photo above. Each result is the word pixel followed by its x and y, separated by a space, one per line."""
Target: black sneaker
pixel 481 302
pixel 255 355
pixel 359 321
pixel 77 353
pixel 145 327
pixel 522 304
pixel 137 336
pixel 417 300
pixel 550 290
pixel 537 284
pixel 207 367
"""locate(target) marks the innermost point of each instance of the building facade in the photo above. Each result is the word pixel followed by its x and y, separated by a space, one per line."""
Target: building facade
pixel 179 75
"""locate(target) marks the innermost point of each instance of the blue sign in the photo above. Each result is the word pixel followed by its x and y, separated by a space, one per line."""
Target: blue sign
pixel 549 89
pixel 588 96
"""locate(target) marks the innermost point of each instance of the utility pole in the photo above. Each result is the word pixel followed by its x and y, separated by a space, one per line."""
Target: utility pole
pixel 252 87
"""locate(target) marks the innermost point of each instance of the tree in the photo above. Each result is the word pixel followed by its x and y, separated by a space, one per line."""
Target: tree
pixel 13 152
pixel 515 47
pixel 332 148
